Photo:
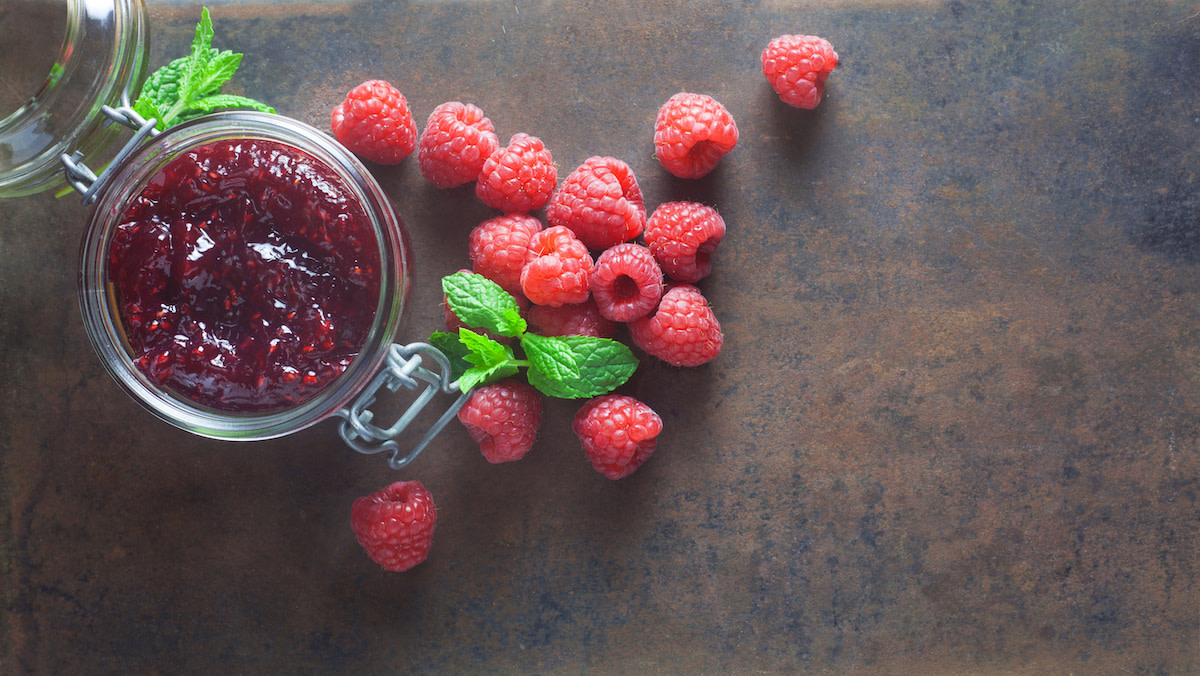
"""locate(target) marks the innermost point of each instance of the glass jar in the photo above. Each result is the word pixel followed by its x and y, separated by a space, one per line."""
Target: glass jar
pixel 99 68
pixel 101 55
pixel 103 319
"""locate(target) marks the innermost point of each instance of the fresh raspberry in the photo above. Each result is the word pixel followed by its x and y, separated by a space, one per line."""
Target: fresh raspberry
pixel 557 269
pixel 797 66
pixel 683 236
pixel 626 282
pixel 618 433
pixel 499 246
pixel 503 418
pixel 395 524
pixel 692 133
pixel 456 141
pixel 580 319
pixel 600 202
pixel 375 123
pixel 519 177
pixel 683 331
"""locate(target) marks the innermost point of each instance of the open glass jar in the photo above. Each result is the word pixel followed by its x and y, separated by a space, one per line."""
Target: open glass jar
pixel 62 61
pixel 242 275
pixel 175 293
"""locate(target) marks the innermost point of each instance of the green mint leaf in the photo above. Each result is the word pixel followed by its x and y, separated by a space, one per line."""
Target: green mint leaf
pixel 162 90
pixel 483 304
pixel 188 87
pixel 455 351
pixel 603 365
pixel 226 101
pixel 551 357
pixel 148 109
pixel 490 361
pixel 217 71
pixel 196 66
pixel 482 350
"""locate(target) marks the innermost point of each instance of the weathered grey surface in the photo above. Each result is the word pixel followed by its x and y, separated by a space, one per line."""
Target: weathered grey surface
pixel 953 430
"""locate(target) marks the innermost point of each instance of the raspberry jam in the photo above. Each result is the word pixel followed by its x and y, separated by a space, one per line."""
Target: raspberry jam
pixel 246 275
pixel 243 276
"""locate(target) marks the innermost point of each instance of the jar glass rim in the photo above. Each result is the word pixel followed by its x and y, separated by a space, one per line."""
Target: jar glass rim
pixel 102 319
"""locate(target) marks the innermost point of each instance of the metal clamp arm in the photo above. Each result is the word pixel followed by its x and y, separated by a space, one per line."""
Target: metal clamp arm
pixel 83 179
pixel 403 367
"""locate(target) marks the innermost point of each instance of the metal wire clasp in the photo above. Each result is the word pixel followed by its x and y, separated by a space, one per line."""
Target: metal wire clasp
pixel 403 367
pixel 83 179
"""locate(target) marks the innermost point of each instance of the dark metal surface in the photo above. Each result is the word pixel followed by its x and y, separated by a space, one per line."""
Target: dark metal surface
pixel 953 430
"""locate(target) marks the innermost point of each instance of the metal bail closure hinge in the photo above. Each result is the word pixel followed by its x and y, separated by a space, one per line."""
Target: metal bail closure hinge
pixel 83 179
pixel 403 367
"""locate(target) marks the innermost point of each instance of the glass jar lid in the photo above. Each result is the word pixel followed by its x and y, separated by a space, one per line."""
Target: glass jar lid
pixel 51 102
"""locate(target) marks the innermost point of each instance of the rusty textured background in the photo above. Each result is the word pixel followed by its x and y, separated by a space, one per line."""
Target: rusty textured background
pixel 954 428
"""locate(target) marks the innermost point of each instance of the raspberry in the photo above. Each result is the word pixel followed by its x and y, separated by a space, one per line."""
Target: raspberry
pixel 557 269
pixel 683 236
pixel 600 202
pixel 375 123
pixel 683 331
pixel 456 141
pixel 618 433
pixel 692 133
pixel 499 246
pixel 395 524
pixel 581 319
pixel 519 177
pixel 503 418
pixel 797 66
pixel 626 282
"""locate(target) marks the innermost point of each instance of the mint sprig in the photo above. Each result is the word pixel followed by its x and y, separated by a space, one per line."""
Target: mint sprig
pixel 189 86
pixel 569 367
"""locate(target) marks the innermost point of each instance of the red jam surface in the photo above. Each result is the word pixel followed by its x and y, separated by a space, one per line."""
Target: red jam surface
pixel 246 276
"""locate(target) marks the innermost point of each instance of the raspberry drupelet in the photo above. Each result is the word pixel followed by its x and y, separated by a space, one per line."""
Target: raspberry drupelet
pixel 519 177
pixel 692 133
pixel 683 236
pixel 600 202
pixel 558 268
pixel 579 319
pixel 375 123
pixel 626 282
pixel 797 67
pixel 618 433
pixel 683 331
pixel 395 524
pixel 499 246
pixel 503 418
pixel 458 138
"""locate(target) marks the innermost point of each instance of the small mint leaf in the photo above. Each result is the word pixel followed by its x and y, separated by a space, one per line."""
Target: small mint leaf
pixel 490 361
pixel 455 352
pixel 553 388
pixel 470 378
pixel 482 350
pixel 197 62
pixel 477 376
pixel 550 356
pixel 148 109
pixel 228 101
pixel 603 366
pixel 483 304
pixel 219 69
